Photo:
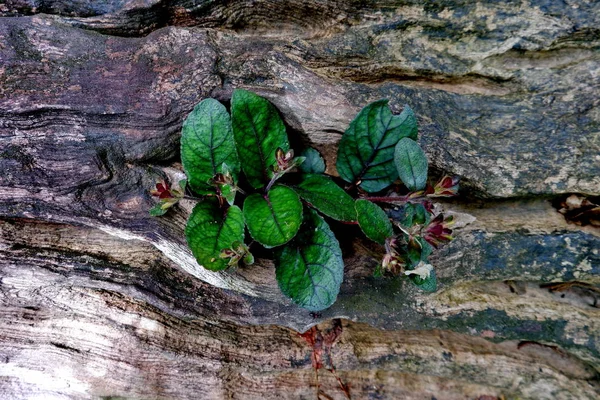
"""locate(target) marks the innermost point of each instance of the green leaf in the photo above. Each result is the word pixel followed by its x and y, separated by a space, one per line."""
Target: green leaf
pixel 297 162
pixel 422 216
pixel 183 185
pixel 314 163
pixel 373 221
pixel 406 215
pixel 366 151
pixel 327 197
pixel 310 268
pixel 225 184
pixel 228 192
pixel 413 214
pixel 157 210
pixel 417 251
pixel 428 285
pixel 248 259
pixel 378 273
pixel 209 230
pixel 411 164
pixel 206 144
pixel 273 219
pixel 258 131
pixel 426 248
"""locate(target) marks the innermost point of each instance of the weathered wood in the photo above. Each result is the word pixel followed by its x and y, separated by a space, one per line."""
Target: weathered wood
pixel 85 314
pixel 99 299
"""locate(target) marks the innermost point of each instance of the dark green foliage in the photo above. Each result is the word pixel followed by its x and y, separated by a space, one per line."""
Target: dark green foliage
pixel 314 163
pixel 411 164
pixel 207 144
pixel 273 219
pixel 414 214
pixel 417 250
pixel 428 284
pixel 373 221
pixel 310 268
pixel 327 197
pixel 366 152
pixel 210 230
pixel 158 210
pixel 376 149
pixel 258 132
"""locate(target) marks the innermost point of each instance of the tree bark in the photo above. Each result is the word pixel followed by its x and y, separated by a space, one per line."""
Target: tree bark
pixel 99 300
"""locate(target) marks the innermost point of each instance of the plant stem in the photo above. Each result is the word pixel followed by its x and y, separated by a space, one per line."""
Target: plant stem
pixel 273 180
pixel 388 199
pixel 398 199
pixel 193 198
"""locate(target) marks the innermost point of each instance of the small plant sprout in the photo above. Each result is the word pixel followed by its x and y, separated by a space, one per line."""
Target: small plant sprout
pixel 287 201
pixel 168 197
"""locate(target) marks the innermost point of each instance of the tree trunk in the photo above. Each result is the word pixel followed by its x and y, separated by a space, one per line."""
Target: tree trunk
pixel 100 300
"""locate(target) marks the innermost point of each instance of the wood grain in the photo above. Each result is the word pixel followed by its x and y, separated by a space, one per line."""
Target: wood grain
pixel 99 300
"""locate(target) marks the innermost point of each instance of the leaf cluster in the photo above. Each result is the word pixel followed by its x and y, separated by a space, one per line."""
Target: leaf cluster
pixel 251 190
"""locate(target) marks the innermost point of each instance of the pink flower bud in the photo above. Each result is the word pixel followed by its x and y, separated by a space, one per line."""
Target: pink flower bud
pixel 438 231
pixel 447 186
pixel 162 191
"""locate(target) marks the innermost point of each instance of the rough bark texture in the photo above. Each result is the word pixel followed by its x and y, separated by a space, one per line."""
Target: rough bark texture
pixel 101 300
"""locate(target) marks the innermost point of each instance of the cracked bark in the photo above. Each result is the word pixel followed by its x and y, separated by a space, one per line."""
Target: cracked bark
pixel 100 300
